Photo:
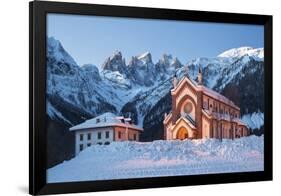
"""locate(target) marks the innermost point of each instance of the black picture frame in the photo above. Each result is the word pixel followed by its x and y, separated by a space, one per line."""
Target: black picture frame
pixel 37 97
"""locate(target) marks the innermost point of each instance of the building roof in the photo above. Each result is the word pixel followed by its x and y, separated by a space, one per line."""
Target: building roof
pixel 217 96
pixel 107 119
pixel 240 122
pixel 206 91
pixel 191 124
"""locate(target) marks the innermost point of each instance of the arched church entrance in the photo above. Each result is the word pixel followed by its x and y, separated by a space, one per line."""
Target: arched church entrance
pixel 182 133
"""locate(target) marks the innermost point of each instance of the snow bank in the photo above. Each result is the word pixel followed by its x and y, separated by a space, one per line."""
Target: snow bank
pixel 161 158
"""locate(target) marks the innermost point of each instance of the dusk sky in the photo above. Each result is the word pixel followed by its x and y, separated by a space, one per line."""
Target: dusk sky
pixel 91 39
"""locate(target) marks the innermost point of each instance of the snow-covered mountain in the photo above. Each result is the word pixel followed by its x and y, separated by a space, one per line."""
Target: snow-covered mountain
pixel 141 88
pixel 243 51
pixel 78 87
pixel 140 70
pixel 140 81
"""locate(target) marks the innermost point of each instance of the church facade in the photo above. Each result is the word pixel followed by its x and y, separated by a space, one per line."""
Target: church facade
pixel 198 112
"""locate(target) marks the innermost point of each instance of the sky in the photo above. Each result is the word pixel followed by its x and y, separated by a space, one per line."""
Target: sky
pixel 92 39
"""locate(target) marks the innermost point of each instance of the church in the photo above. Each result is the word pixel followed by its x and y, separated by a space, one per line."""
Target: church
pixel 199 112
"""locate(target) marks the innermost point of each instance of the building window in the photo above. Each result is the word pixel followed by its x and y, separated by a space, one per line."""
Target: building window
pixel 99 143
pixel 188 108
pixel 205 105
pixel 119 134
pixel 81 147
pixel 89 136
pixel 81 137
pixel 107 134
pixel 135 136
pixel 106 143
pixel 99 135
pixel 89 144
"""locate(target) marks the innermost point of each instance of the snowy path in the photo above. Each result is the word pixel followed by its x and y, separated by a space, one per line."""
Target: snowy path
pixel 161 158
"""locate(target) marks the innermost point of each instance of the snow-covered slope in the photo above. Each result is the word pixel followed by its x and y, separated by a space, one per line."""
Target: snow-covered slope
pixel 254 120
pixel 123 160
pixel 79 86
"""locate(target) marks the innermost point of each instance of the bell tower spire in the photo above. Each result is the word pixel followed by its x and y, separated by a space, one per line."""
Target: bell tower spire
pixel 175 80
pixel 186 71
pixel 200 76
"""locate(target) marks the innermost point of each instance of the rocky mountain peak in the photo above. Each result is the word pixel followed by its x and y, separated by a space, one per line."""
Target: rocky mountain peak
pixel 115 63
pixel 145 57
pixel 176 63
pixel 117 55
pixel 166 59
pixel 57 53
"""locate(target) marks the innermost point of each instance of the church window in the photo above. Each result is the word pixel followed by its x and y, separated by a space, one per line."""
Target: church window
pixel 188 108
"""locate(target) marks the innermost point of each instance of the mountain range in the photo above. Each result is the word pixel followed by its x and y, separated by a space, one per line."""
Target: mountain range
pixel 141 89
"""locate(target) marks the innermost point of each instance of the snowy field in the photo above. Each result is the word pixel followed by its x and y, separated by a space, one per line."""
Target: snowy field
pixel 161 158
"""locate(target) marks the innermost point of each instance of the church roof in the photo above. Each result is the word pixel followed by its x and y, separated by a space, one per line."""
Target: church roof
pixel 240 122
pixel 190 123
pixel 206 91
pixel 217 96
pixel 107 119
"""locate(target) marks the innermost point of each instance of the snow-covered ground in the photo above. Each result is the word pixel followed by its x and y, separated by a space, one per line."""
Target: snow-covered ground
pixel 162 158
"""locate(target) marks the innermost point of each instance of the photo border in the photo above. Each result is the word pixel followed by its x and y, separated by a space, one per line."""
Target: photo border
pixel 37 97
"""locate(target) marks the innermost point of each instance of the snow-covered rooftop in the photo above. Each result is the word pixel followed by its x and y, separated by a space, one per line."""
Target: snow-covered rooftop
pixel 218 96
pixel 107 119
pixel 206 91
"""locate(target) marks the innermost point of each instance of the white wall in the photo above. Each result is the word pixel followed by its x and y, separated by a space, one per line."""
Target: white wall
pixel 14 97
pixel 94 140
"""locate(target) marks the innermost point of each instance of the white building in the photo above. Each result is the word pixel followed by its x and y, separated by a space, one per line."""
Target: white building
pixel 104 129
